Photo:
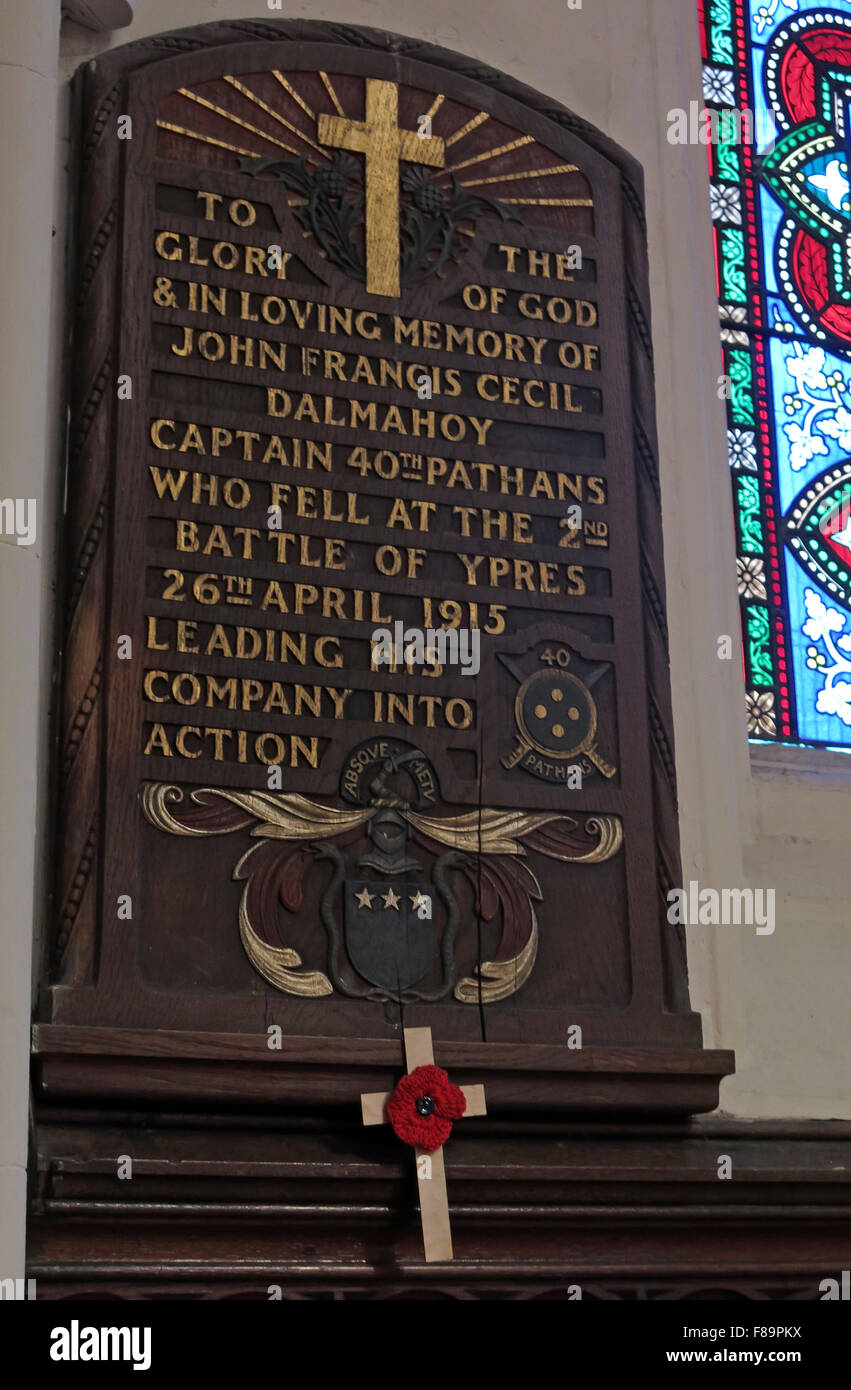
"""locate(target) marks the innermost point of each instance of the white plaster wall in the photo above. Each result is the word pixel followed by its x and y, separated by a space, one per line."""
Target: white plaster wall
pixel 29 40
pixel 623 64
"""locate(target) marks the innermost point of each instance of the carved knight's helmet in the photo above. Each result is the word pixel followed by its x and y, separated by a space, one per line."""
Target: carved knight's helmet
pixel 389 832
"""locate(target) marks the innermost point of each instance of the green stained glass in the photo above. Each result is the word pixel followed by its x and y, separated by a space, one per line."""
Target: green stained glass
pixel 740 371
pixel 759 645
pixel 733 265
pixel 727 153
pixel 720 16
pixel 750 524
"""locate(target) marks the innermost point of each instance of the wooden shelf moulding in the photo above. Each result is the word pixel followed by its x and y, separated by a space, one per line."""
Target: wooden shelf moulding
pixel 113 1064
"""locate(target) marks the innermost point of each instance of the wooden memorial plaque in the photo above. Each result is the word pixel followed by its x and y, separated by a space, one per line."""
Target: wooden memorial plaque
pixel 366 715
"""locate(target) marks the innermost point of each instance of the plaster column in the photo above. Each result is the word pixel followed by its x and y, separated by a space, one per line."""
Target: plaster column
pixel 29 50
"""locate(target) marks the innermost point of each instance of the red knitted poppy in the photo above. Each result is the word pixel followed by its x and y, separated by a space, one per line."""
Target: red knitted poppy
pixel 424 1084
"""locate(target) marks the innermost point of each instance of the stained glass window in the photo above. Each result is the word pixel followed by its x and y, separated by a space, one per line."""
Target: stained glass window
pixel 781 216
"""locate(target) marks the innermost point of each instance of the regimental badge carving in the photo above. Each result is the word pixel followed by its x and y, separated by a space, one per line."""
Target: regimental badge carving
pixel 396 877
pixel 555 715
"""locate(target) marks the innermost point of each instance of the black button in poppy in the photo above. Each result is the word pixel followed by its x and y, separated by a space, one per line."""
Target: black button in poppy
pixel 425 1105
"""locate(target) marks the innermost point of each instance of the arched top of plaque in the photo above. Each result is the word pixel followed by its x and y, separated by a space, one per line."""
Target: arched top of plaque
pixel 216 57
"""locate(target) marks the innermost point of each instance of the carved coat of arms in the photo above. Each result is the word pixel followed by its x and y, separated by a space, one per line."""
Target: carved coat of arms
pixel 389 914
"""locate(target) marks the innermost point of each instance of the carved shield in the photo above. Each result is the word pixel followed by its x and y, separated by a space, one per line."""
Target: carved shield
pixel 390 931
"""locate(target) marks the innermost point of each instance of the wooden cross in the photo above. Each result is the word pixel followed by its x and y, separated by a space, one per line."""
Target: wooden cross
pixel 431 1174
pixel 380 138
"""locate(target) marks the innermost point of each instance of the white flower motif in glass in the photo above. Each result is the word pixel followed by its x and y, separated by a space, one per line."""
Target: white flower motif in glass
pixel 834 184
pixel 741 448
pixel 807 369
pixel 838 427
pixel 718 85
pixel 725 204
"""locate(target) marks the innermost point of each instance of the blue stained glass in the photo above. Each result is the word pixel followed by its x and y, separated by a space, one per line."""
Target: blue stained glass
pixel 822 665
pixel 770 214
pixel 812 412
pixel 784 275
pixel 767 16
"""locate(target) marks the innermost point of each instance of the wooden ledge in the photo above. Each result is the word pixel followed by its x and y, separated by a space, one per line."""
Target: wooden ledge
pixel 114 1064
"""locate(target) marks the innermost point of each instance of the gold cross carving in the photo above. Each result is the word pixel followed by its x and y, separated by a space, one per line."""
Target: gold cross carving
pixel 384 144
pixel 431 1173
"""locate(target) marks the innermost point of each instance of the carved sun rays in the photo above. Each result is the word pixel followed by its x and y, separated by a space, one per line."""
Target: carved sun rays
pixel 294 122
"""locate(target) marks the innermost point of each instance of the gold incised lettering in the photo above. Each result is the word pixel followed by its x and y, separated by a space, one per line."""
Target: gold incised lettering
pixel 403 462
